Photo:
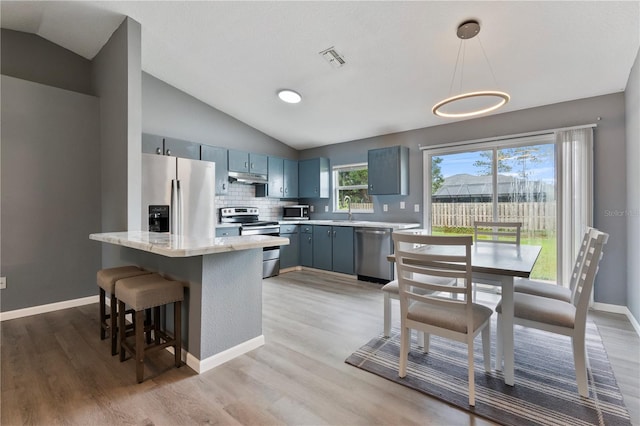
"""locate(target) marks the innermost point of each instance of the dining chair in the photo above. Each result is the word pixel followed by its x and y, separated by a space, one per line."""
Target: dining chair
pixel 553 291
pixel 499 233
pixel 424 303
pixel 561 317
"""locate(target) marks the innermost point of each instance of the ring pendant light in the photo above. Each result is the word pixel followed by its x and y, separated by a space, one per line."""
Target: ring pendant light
pixel 468 30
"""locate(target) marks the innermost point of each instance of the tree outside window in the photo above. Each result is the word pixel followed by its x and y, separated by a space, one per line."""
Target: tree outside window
pixel 351 181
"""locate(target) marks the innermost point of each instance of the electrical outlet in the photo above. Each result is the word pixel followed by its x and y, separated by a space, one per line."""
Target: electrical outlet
pixel 402 204
pixel 326 209
pixel 312 209
pixel 416 208
pixel 385 207
pixel 3 282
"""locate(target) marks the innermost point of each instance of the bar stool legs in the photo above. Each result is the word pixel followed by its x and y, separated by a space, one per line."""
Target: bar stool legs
pixel 106 280
pixel 142 293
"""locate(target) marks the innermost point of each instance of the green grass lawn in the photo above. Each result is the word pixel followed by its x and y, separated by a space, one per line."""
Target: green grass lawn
pixel 545 267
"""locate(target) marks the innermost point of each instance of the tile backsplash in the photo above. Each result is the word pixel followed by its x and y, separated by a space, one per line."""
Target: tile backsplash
pixel 241 195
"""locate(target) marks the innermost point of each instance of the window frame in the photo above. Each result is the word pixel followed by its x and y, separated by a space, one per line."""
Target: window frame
pixel 335 170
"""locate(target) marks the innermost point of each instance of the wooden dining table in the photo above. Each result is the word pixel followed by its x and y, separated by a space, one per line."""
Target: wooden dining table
pixel 498 264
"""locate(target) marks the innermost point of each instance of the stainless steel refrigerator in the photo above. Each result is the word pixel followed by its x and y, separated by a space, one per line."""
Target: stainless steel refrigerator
pixel 178 196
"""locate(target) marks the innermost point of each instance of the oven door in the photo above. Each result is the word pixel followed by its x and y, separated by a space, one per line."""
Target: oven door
pixel 270 255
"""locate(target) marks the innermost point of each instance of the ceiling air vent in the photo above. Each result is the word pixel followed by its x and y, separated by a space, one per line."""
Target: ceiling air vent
pixel 333 57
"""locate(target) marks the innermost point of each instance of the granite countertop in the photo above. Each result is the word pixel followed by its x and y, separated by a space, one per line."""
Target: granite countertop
pixel 354 223
pixel 181 246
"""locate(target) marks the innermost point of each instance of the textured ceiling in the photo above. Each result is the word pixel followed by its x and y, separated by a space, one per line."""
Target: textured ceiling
pixel 400 55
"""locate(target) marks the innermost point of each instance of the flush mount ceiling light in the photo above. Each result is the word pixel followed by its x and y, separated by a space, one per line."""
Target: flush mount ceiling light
pixel 289 96
pixel 474 103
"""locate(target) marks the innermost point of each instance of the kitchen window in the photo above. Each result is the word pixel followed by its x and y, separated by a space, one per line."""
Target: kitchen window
pixel 351 181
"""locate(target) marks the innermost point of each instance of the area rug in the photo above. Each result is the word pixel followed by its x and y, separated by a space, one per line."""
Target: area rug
pixel 545 391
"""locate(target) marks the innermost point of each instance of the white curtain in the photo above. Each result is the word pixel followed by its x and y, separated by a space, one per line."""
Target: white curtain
pixel 576 178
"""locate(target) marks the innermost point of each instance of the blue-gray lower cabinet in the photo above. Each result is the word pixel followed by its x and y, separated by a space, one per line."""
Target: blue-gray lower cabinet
pixel 322 252
pixel 306 245
pixel 290 254
pixel 343 249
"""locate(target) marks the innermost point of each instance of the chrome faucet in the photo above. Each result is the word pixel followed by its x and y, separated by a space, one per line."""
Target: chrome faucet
pixel 347 201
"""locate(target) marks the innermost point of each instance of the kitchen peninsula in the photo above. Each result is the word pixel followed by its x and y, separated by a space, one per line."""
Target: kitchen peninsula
pixel 223 287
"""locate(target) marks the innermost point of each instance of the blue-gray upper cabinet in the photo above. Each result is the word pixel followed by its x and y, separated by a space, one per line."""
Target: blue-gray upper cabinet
pixel 290 177
pixel 152 144
pixel 218 156
pixel 389 171
pixel 313 178
pixel 241 161
pixel 306 245
pixel 182 149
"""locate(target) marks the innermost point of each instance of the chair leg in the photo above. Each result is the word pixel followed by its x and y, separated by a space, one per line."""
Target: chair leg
pixel 426 339
pixel 139 353
pixel 387 315
pixel 122 326
pixel 156 325
pixel 580 364
pixel 472 381
pixel 113 328
pixel 103 316
pixel 499 344
pixel 177 332
pixel 486 347
pixel 405 337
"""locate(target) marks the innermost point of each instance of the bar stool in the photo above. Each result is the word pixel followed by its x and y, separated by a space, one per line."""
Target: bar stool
pixel 142 293
pixel 106 279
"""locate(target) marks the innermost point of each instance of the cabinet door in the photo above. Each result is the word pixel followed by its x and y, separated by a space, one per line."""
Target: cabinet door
pixel 322 237
pixel 306 246
pixel 276 178
pixel 218 156
pixel 258 163
pixel 182 149
pixel 152 144
pixel 238 161
pixel 290 177
pixel 313 177
pixel 290 254
pixel 388 170
pixel 343 253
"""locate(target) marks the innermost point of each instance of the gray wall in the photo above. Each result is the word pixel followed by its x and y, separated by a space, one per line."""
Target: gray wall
pixel 31 57
pixel 50 200
pixel 168 111
pixel 116 79
pixel 609 168
pixel 632 107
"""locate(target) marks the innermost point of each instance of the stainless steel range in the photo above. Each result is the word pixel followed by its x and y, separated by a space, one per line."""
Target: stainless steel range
pixel 250 224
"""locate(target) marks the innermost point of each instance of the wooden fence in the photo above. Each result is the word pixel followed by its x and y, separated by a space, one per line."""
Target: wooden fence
pixel 535 216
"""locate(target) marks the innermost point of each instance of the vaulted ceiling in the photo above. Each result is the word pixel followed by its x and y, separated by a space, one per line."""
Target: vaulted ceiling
pixel 400 56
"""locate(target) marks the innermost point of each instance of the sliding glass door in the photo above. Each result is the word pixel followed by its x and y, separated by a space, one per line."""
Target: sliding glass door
pixel 507 181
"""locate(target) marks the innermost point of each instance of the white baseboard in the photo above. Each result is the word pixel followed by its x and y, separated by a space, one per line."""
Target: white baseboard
pixel 617 309
pixel 200 366
pixel 35 310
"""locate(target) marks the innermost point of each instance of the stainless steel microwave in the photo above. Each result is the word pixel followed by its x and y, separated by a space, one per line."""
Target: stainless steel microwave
pixel 295 212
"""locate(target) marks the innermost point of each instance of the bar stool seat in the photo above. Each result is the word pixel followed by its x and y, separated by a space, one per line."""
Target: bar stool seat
pixel 106 280
pixel 145 292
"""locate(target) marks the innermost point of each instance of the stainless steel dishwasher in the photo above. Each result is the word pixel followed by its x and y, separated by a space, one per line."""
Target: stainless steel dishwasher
pixel 373 245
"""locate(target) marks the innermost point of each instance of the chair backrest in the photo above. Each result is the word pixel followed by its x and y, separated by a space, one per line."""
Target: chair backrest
pixel 587 275
pixel 498 232
pixel 580 258
pixel 420 258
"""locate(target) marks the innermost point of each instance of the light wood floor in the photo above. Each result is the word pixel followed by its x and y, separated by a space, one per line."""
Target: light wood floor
pixel 55 370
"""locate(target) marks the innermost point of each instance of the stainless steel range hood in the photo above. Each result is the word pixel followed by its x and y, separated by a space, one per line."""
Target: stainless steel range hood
pixel 247 178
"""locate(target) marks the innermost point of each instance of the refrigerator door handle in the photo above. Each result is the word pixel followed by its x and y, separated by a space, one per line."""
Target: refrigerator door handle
pixel 174 206
pixel 180 215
